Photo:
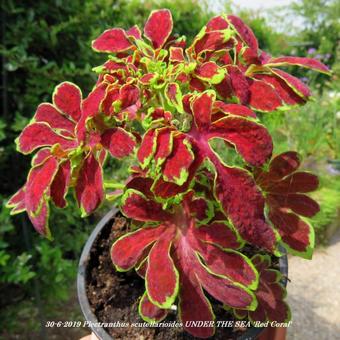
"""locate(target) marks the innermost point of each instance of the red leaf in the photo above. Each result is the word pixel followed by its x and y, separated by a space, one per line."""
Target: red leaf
pixel 37 135
pixel 201 107
pixel 113 40
pixel 283 165
pixel 244 31
pixel 230 264
pixel 296 182
pixel 285 92
pixel 224 89
pixel 135 205
pixel 90 107
pixel 251 140
pixel 210 72
pixel 299 61
pixel 196 85
pixel 194 306
pixel 119 142
pixel 232 186
pixel 147 78
pixel 141 184
pixel 38 184
pixel 176 167
pixel 128 249
pixel 40 220
pixel 158 27
pixel 147 148
pixel 60 184
pixel 270 295
pixel 41 156
pixel 161 276
pixel 234 109
pixel 263 96
pixel 295 232
pixel 111 96
pixel 218 233
pixel 294 83
pixel 89 186
pixel 200 209
pixel 164 145
pixel 240 84
pixel 67 98
pixel 211 41
pixel 176 54
pixel 47 113
pixel 135 32
pixel 174 96
pixel 217 23
pixel 298 203
pixel 17 202
pixel 224 290
pixel 149 312
pixel 128 95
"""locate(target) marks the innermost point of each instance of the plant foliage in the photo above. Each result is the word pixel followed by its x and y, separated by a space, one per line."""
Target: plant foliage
pixel 163 104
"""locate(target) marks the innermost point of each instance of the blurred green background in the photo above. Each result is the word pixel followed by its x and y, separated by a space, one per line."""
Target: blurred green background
pixel 46 42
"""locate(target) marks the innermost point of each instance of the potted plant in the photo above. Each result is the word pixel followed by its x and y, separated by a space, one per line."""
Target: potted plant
pixel 203 227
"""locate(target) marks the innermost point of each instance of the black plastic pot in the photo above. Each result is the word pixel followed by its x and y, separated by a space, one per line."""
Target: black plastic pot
pixel 251 333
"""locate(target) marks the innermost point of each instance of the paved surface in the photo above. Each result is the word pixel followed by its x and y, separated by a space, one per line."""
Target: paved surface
pixel 314 294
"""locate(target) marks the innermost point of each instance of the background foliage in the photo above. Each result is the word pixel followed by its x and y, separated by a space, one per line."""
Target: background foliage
pixel 46 42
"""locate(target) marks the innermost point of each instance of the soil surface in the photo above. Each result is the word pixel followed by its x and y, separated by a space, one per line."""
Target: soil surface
pixel 114 296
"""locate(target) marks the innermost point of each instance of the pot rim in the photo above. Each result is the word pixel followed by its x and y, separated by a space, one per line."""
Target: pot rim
pixel 100 332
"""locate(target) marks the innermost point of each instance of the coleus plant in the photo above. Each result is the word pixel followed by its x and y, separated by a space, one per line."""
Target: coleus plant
pixel 193 213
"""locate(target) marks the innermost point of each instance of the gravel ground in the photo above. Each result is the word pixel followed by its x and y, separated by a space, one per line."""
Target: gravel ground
pixel 314 294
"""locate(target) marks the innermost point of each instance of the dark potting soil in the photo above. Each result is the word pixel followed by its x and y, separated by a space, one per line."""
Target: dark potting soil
pixel 114 296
